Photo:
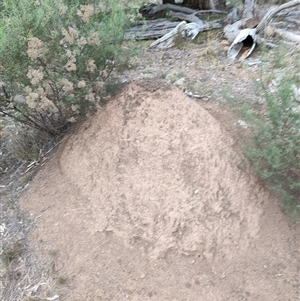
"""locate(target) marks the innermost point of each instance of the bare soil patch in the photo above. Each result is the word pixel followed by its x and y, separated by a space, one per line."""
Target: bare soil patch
pixel 145 201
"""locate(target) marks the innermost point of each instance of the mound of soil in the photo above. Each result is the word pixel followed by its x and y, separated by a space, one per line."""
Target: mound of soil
pixel 145 201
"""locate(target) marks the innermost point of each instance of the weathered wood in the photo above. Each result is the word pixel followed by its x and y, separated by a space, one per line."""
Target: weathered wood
pixel 185 30
pixel 272 12
pixel 248 9
pixel 166 31
pixel 153 29
pixel 185 17
pixel 231 17
pixel 150 29
pixel 169 37
pixel 293 20
pixel 250 35
pixel 288 35
pixel 231 31
pixel 294 13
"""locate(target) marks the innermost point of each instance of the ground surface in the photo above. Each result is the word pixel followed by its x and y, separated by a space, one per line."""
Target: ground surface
pixel 150 199
pixel 146 200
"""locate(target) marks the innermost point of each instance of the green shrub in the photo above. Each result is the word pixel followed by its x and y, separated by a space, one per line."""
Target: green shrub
pixel 275 148
pixel 11 253
pixel 55 57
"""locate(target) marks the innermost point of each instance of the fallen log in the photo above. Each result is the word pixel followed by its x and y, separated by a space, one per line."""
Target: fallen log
pixel 184 29
pixel 150 29
pixel 153 29
pixel 248 9
pixel 185 17
pixel 272 12
pixel 288 35
pixel 168 38
pixel 248 37
pixel 246 30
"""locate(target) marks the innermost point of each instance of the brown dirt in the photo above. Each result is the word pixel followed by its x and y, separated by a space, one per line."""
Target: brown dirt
pixel 145 201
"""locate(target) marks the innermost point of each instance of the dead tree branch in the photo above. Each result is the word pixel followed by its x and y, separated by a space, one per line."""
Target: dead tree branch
pixel 184 29
pixel 272 12
pixel 243 31
pixel 185 17
pixel 150 29
pixel 249 36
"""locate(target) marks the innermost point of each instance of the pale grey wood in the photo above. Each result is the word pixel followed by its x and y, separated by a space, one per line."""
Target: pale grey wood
pixel 186 17
pixel 248 9
pixel 272 12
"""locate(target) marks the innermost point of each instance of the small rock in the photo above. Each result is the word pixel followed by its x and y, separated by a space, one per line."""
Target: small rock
pixel 180 83
pixel 242 124
pixel 224 43
pixel 269 31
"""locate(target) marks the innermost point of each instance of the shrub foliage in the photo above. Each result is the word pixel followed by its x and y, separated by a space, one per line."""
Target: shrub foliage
pixel 275 151
pixel 55 57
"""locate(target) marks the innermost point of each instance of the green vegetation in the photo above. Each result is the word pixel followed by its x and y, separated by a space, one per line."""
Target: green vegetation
pixel 55 57
pixel 274 150
pixel 58 60
pixel 11 253
pixel 61 280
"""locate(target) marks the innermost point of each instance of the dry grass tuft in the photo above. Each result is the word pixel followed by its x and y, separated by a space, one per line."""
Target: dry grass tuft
pixel 24 276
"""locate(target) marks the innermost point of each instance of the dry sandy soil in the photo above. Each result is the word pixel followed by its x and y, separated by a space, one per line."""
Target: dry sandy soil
pixel 146 200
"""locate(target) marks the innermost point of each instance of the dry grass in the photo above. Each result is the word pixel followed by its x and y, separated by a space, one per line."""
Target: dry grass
pixel 23 275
